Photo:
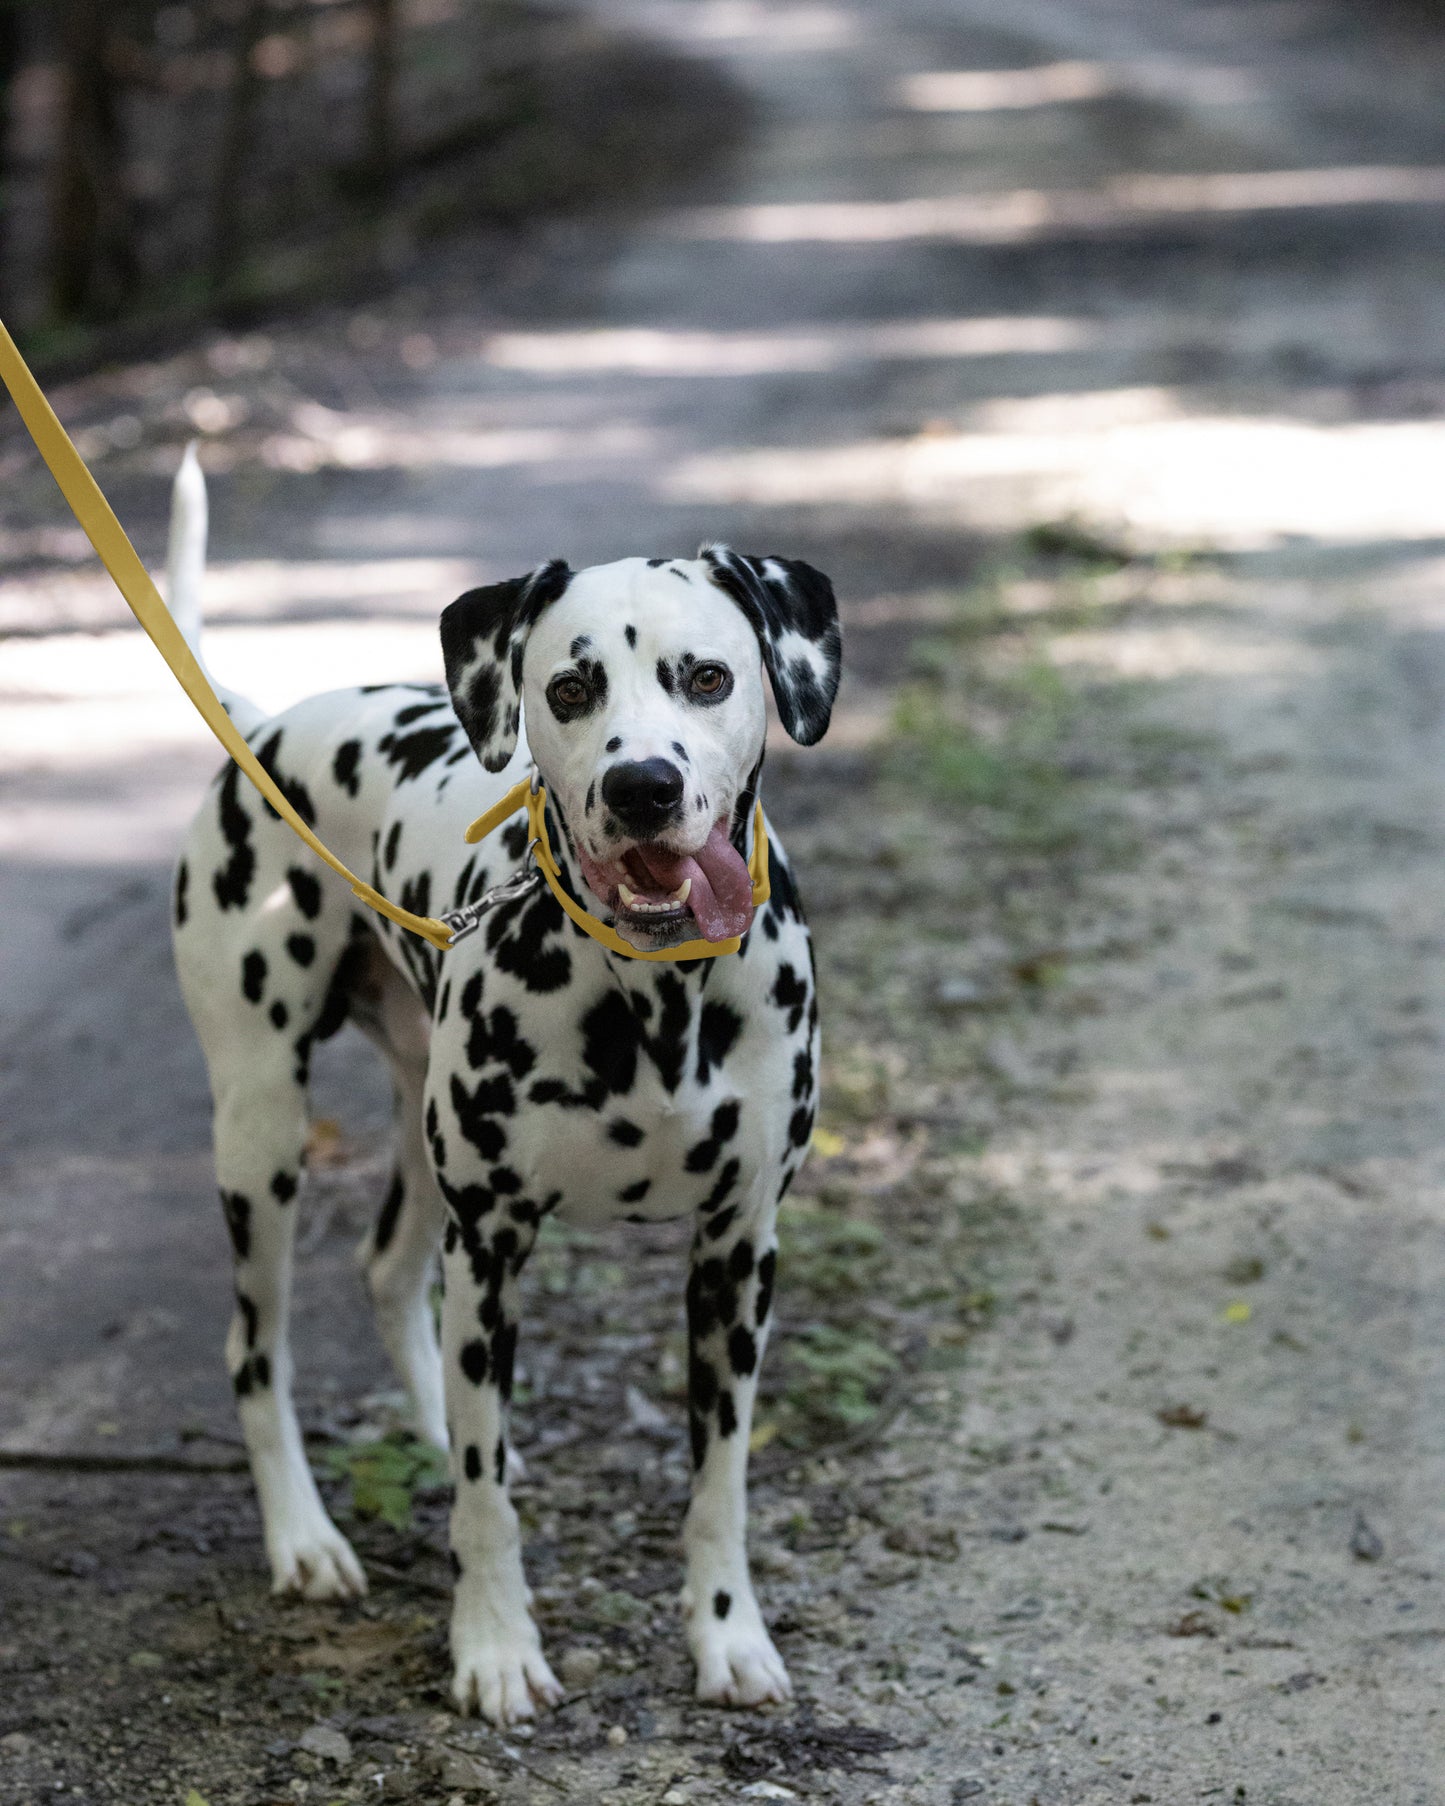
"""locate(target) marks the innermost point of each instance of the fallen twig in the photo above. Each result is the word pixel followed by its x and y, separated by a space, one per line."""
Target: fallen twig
pixel 75 1461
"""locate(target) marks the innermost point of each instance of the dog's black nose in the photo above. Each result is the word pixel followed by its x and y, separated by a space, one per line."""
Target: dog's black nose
pixel 643 794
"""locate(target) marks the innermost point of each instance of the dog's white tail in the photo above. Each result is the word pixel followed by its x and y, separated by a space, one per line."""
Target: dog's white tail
pixel 185 576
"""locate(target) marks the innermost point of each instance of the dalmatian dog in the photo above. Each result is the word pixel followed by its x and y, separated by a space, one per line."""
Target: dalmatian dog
pixel 535 1071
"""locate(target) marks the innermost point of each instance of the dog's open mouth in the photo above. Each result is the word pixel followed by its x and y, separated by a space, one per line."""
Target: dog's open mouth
pixel 657 892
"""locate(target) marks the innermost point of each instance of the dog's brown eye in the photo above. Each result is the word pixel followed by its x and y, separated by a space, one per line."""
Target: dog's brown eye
pixel 570 692
pixel 707 680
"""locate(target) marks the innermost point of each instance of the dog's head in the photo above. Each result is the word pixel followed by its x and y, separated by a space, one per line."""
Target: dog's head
pixel 642 684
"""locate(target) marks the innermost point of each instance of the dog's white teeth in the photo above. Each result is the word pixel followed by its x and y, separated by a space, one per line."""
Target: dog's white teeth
pixel 629 898
pixel 683 892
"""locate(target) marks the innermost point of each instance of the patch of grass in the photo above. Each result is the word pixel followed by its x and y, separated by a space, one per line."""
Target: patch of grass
pixel 386 1475
pixel 990 734
pixel 835 1380
pixel 1072 542
pixel 829 1255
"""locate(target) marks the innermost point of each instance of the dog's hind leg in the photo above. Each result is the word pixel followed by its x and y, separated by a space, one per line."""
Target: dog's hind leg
pixel 729 1305
pixel 257 1018
pixel 400 1252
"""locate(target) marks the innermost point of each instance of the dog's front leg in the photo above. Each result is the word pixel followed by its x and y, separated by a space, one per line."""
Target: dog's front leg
pixel 729 1300
pixel 499 1669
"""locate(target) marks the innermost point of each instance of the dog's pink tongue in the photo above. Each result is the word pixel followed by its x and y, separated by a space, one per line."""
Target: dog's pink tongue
pixel 721 898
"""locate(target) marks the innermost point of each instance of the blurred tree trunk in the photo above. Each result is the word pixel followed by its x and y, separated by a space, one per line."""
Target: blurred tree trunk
pixel 227 239
pixel 11 52
pixel 381 95
pixel 93 263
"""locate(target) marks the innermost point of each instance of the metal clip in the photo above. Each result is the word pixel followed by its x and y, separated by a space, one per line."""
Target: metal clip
pixel 468 918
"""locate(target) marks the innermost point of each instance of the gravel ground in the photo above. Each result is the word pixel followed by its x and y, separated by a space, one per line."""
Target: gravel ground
pixel 1098 350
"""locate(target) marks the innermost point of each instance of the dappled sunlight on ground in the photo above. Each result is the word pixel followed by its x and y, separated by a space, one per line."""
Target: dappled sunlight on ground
pixel 801 349
pixel 1015 215
pixel 1140 459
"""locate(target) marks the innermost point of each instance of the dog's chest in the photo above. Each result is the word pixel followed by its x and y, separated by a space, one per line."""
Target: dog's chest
pixel 609 1097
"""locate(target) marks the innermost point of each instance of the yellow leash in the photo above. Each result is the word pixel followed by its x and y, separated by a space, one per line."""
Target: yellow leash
pixel 131 578
pixel 533 797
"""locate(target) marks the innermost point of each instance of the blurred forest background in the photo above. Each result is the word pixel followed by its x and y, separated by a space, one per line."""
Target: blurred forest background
pixel 168 161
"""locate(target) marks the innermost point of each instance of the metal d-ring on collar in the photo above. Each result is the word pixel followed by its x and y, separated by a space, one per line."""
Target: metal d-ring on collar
pixel 531 794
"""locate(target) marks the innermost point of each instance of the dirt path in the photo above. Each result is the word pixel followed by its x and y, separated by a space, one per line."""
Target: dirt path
pixel 1109 1455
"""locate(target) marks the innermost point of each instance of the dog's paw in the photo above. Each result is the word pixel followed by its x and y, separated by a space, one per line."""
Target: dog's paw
pixel 737 1664
pixel 503 1675
pixel 316 1562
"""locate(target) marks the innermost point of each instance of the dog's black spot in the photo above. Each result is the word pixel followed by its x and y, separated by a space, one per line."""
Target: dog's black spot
pixel 742 1351
pixel 548 1091
pixel 472 1462
pixel 667 677
pixel 579 645
pixel 454 1562
pixel 473 1360
pixel 183 884
pixel 740 1261
pixel 800 1128
pixel 790 993
pixel 504 1355
pixel 496 1040
pixel 703 1157
pixel 717 1030
pixel 626 1134
pixel 444 1002
pixel 388 1216
pixel 767 1270
pixel 722 1604
pixel 232 884
pixel 499 1461
pixel 283 1186
pixel 253 975
pixel 415 710
pixel 697 1435
pixel 803 1073
pixel 654 563
pixel 591 800
pixel 514 837
pixel 306 889
pixel 280 1015
pixel 241 1380
pixel 236 1207
pixel 393 845
pixel 344 766
pixel 702 1385
pixel 630 635
pixel 721 1192
pixel 634 1193
pixel 520 940
pixel 249 1316
pixel 294 791
pixel 681 751
pixel 302 948
pixel 613 744
pixel 727 1414
pixel 412 754
pixel 474 1113
pixel 719 1225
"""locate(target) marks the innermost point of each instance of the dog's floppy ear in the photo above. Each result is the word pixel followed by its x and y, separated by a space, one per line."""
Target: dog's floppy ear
pixel 484 634
pixel 793 612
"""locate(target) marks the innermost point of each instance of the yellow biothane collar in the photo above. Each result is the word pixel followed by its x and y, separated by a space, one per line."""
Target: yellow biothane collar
pixel 531 794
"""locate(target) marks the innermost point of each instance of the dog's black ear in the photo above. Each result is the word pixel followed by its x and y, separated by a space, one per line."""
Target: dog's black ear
pixel 795 616
pixel 484 634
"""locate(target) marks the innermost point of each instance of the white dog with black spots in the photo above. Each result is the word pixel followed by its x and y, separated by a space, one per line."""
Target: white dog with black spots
pixel 535 1071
